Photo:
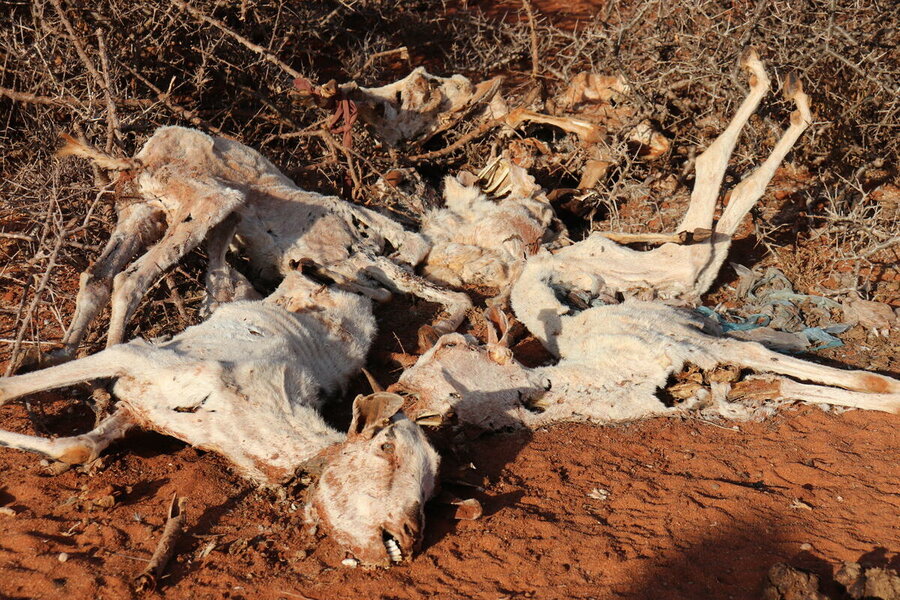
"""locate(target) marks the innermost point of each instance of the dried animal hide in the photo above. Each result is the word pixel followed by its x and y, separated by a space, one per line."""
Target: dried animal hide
pixel 246 384
pixel 614 357
pixel 481 240
pixel 421 106
pixel 212 188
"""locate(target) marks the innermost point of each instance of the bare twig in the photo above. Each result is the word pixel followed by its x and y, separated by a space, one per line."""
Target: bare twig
pixel 682 237
pixel 149 578
pixel 200 16
pixel 402 51
pixel 79 45
pixel 70 101
pixel 32 307
pixel 462 141
pixel 182 112
pixel 532 26
pixel 113 135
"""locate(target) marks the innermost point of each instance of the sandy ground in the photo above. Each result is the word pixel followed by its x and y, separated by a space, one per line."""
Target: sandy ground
pixel 659 509
pixel 663 508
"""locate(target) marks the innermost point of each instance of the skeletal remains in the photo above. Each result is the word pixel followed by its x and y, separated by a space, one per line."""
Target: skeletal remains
pixel 614 357
pixel 248 381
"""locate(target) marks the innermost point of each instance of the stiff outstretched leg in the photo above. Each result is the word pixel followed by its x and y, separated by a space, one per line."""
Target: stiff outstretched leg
pixel 860 389
pixel 203 204
pixel 138 226
pixel 398 279
pixel 748 192
pixel 223 282
pixel 781 388
pixel 77 449
pixel 111 362
pixel 711 165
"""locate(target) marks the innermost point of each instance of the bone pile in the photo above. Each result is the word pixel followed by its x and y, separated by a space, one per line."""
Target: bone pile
pixel 292 327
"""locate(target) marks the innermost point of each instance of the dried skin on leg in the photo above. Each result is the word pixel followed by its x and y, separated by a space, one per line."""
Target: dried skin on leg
pixel 203 204
pixel 77 449
pixel 398 279
pixel 223 282
pixel 763 388
pixel 109 363
pixel 138 225
pixel 711 165
pixel 759 358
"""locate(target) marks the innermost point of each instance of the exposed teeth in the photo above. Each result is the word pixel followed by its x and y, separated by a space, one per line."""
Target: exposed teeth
pixel 393 550
pixel 430 419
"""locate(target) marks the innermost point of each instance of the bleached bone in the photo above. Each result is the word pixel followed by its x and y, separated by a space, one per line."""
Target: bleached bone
pixel 422 105
pixel 614 358
pixel 585 109
pixel 246 384
pixel 613 361
pixel 193 183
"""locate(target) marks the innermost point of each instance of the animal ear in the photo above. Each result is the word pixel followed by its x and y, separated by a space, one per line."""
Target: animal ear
pixel 373 413
pixel 494 316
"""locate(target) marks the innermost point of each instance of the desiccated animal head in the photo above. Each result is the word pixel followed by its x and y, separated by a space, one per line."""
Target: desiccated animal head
pixel 373 489
pixel 480 386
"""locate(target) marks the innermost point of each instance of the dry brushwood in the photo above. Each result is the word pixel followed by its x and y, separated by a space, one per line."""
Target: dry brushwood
pixel 614 357
pixel 215 189
pixel 247 384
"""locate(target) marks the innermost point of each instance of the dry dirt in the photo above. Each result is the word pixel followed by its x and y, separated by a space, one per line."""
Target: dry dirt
pixel 664 508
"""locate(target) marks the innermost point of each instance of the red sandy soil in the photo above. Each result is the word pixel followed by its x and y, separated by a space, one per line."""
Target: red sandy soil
pixel 658 509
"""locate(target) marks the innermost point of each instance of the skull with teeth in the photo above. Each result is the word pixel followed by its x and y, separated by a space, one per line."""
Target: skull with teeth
pixel 372 491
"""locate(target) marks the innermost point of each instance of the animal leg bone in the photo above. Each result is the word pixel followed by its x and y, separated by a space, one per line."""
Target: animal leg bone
pixel 400 280
pixel 775 388
pixel 759 358
pixel 203 204
pixel 223 282
pixel 138 225
pixel 748 191
pixel 76 449
pixel 745 195
pixel 711 164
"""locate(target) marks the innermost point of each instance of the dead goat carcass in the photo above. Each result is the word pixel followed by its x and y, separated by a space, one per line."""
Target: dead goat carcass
pixel 202 187
pixel 614 362
pixel 613 358
pixel 684 268
pixel 246 384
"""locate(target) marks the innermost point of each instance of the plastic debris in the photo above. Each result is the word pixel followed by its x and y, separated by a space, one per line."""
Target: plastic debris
pixel 776 316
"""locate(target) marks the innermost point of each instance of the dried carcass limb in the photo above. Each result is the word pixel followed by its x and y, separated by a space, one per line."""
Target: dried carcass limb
pixel 614 361
pixel 674 272
pixel 246 384
pixel 194 183
pixel 613 358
